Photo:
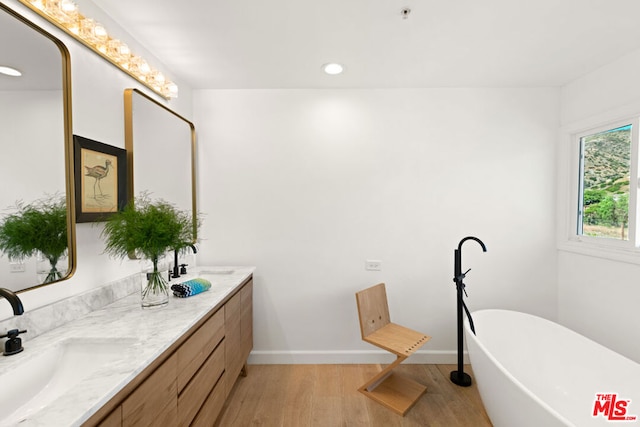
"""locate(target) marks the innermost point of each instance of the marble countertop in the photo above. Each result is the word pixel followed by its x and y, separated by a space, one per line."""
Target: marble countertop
pixel 141 335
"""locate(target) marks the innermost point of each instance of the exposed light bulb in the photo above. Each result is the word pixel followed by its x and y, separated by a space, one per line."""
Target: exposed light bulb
pixel 100 32
pixel 87 30
pixel 158 77
pixel 144 67
pixel 171 90
pixel 68 6
pixel 124 50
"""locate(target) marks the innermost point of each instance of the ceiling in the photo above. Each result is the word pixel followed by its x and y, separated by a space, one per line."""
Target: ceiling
pixel 41 68
pixel 213 44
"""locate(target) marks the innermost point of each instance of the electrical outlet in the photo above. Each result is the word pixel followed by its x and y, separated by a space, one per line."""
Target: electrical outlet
pixel 373 265
pixel 17 267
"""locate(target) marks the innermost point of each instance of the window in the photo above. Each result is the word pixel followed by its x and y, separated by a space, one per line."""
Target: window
pixel 608 182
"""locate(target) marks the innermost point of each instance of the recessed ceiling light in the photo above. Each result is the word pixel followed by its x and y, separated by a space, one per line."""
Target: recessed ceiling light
pixel 333 68
pixel 9 71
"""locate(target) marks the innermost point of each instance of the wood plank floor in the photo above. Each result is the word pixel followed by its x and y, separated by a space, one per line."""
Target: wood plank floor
pixel 327 396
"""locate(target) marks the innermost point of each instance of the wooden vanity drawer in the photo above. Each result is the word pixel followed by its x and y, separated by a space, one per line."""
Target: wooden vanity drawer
pixel 114 419
pixel 195 393
pixel 233 338
pixel 212 406
pixel 232 309
pixel 154 402
pixel 193 353
pixel 246 320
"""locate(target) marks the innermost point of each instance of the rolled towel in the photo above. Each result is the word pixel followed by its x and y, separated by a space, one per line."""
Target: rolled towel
pixel 190 287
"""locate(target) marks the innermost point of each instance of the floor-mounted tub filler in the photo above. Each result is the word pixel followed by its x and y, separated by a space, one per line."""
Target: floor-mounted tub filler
pixel 533 372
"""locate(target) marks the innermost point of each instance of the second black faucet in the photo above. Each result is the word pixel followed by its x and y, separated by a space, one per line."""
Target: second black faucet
pixel 176 267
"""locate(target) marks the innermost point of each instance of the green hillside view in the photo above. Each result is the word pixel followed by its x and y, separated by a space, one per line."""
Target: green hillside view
pixel 606 166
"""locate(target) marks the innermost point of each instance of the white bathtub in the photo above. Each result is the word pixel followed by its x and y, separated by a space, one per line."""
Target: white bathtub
pixel 533 372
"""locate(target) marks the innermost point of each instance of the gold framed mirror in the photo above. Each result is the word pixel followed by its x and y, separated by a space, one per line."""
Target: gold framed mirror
pixel 161 153
pixel 37 161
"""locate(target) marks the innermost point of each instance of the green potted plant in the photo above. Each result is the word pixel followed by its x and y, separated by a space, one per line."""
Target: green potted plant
pixel 37 228
pixel 148 229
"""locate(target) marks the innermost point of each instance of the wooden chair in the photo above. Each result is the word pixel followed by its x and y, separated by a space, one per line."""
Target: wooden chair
pixel 390 389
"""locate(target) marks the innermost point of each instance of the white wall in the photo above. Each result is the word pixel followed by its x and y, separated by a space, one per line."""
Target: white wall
pixel 308 184
pixel 598 297
pixel 98 113
pixel 21 139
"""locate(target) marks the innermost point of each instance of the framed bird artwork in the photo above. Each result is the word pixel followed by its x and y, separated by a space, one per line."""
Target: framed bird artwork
pixel 100 179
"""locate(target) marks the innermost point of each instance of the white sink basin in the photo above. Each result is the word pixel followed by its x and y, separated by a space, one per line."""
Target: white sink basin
pixel 39 380
pixel 217 271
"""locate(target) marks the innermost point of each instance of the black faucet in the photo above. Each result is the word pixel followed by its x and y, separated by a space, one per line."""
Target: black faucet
pixel 14 344
pixel 13 299
pixel 176 270
pixel 459 377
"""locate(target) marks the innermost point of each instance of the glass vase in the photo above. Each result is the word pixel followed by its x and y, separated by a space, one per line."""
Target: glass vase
pixel 48 270
pixel 155 290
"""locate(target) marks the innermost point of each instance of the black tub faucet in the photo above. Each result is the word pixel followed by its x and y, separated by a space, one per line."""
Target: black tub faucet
pixel 13 299
pixel 459 377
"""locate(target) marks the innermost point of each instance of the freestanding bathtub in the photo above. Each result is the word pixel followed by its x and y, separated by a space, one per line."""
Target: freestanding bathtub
pixel 533 372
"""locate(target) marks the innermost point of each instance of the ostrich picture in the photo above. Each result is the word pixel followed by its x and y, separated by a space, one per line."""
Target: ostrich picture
pixel 102 167
pixel 98 172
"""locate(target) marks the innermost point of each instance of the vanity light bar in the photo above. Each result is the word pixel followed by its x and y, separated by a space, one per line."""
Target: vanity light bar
pixel 65 15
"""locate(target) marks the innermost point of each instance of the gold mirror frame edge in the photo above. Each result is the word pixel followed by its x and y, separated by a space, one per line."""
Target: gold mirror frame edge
pixel 128 143
pixel 90 47
pixel 68 147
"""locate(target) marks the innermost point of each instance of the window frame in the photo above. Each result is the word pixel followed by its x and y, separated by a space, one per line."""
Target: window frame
pixel 633 241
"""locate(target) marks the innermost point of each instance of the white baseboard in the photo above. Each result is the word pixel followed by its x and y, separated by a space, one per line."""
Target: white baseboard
pixel 259 357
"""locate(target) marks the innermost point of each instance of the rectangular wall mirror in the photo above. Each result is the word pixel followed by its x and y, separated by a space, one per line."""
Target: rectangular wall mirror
pixel 36 158
pixel 161 150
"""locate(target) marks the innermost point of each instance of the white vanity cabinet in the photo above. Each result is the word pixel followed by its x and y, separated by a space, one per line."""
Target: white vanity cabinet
pixel 189 383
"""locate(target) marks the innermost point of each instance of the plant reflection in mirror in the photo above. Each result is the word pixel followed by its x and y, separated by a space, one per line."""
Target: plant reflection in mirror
pixel 39 227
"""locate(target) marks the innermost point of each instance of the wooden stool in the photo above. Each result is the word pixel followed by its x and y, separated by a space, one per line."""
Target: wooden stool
pixel 390 389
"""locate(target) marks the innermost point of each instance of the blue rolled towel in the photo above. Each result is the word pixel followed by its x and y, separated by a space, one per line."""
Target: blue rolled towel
pixel 190 287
